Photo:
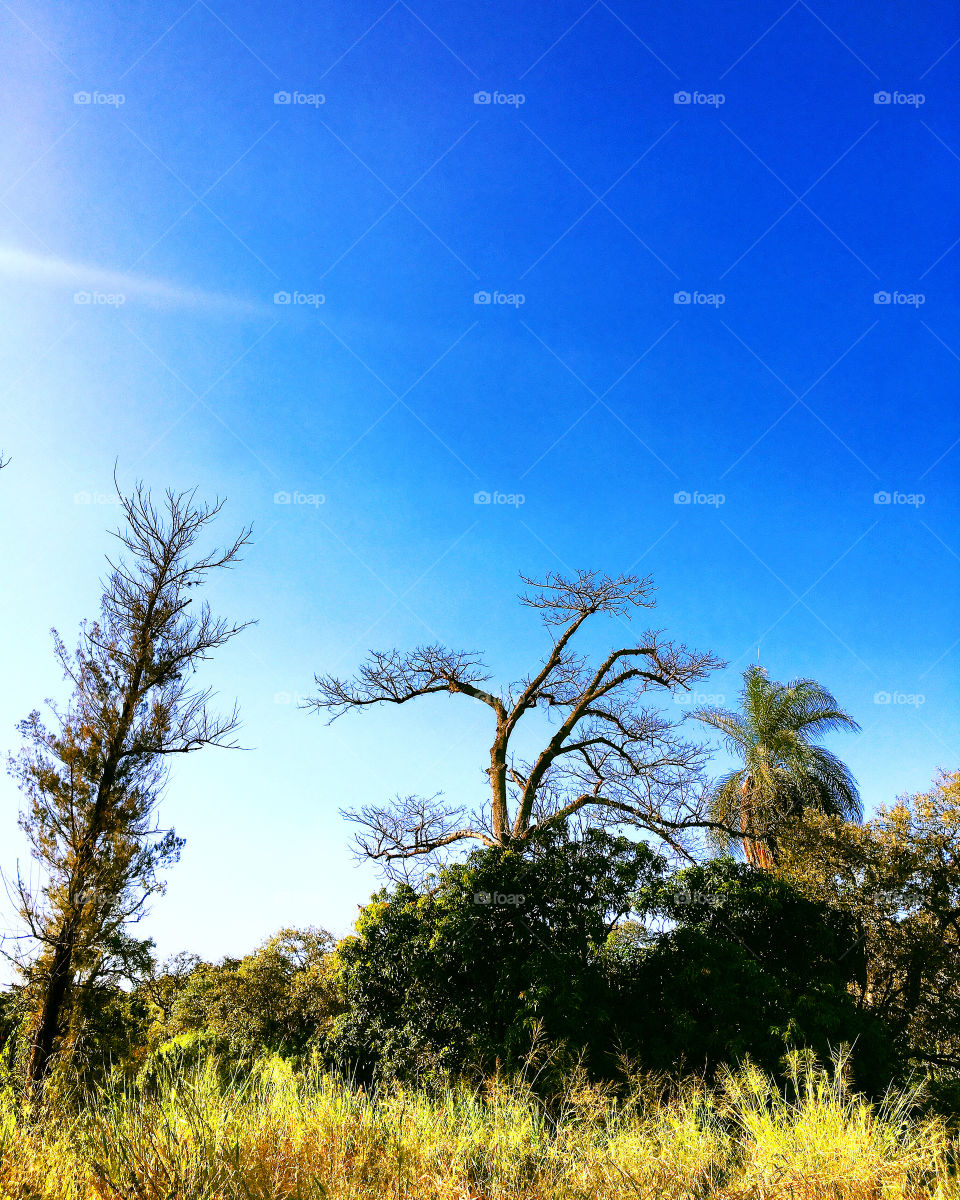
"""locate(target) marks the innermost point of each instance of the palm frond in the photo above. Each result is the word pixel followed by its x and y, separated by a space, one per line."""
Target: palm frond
pixel 735 730
pixel 783 770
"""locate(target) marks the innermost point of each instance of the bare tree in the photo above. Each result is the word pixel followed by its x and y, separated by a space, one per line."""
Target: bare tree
pixel 93 783
pixel 612 761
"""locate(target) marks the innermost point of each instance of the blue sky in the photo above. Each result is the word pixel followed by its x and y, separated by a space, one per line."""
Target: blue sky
pixel 785 170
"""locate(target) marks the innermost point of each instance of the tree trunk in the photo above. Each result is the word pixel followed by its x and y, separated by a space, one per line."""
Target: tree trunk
pixel 746 823
pixel 49 1025
pixel 498 781
pixel 758 853
pixel 60 976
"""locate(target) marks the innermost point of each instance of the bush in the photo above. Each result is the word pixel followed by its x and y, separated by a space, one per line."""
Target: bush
pixel 743 965
pixel 277 1000
pixel 728 963
pixel 504 949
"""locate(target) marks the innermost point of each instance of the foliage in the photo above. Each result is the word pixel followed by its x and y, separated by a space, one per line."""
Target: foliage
pixel 783 772
pixel 744 966
pixel 12 1016
pixel 274 1133
pixel 898 878
pixel 278 999
pixel 505 948
pixel 728 963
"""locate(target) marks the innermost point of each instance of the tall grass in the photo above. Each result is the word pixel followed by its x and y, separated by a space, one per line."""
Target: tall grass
pixel 276 1135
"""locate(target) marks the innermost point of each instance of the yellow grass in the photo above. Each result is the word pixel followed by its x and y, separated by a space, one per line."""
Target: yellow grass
pixel 277 1136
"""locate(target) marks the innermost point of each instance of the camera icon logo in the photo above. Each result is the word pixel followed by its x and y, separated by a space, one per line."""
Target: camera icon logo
pixel 81 97
pixel 481 297
pixel 281 97
pixel 881 297
pixel 281 497
pixel 681 497
pixel 881 697
pixel 82 297
pixel 481 97
pixel 481 897
pixel 881 97
pixel 681 297
pixel 681 97
pixel 881 497
pixel 281 297
pixel 481 497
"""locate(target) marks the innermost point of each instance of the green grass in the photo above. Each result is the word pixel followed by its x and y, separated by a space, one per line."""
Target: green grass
pixel 273 1134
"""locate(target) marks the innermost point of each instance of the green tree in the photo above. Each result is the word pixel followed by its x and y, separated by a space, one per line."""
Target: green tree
pixel 898 877
pixel 743 963
pixel 93 782
pixel 162 986
pixel 504 948
pixel 783 771
pixel 279 999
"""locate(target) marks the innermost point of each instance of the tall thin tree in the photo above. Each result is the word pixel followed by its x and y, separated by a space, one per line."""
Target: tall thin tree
pixel 92 782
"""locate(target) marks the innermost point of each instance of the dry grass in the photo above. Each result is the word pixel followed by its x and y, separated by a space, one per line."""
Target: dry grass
pixel 276 1136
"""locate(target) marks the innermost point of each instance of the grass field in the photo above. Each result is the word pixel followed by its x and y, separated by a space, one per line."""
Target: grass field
pixel 273 1134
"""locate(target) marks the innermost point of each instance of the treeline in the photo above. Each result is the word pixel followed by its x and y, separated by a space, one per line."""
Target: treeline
pixel 588 952
pixel 589 916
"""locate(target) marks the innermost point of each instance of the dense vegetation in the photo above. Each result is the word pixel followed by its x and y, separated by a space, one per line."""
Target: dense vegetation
pixel 281 1136
pixel 595 948
pixel 593 992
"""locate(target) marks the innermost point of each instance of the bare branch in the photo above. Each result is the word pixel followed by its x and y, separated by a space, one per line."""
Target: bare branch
pixel 394 678
pixel 561 599
pixel 613 759
pixel 413 827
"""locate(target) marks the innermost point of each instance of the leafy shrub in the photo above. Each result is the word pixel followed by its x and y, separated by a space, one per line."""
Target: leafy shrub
pixel 743 965
pixel 504 949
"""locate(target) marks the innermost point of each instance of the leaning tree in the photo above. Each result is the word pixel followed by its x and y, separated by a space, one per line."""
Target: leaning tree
pixel 92 783
pixel 612 759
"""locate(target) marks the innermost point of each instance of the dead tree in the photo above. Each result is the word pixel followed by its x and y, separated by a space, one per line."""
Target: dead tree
pixel 613 760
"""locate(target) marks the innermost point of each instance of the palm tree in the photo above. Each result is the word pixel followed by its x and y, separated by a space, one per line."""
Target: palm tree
pixel 783 772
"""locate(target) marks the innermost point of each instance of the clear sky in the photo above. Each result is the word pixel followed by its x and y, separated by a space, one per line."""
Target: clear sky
pixel 586 166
